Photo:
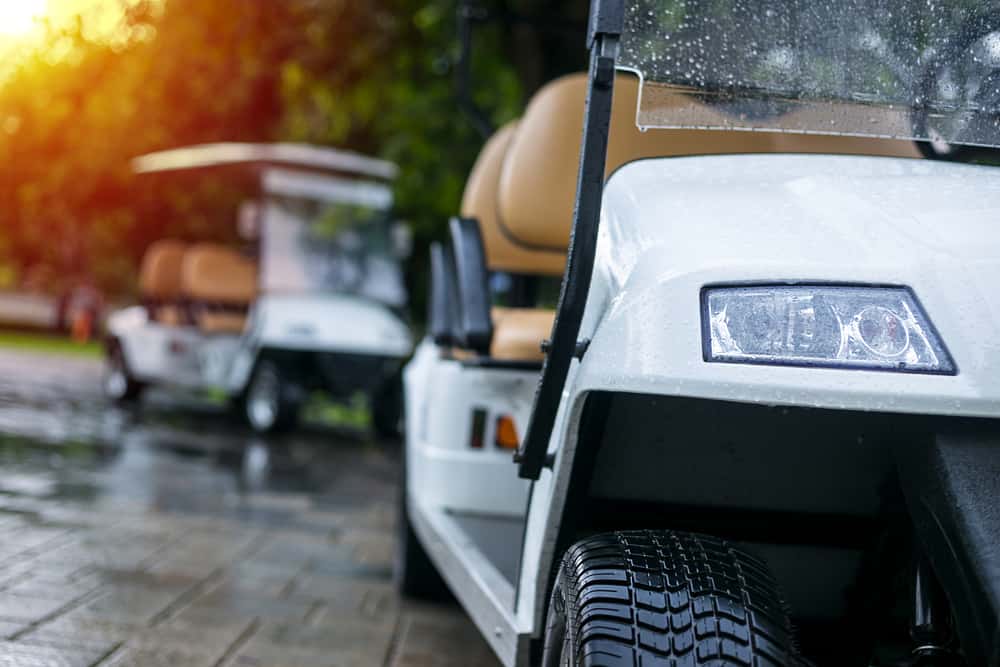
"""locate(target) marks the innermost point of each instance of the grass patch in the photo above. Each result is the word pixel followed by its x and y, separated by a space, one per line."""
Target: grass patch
pixel 356 415
pixel 43 343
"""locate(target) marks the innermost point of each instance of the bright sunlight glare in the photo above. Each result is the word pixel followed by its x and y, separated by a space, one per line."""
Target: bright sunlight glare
pixel 20 17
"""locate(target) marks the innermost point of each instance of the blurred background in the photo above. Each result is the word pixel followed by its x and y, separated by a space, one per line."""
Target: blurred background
pixel 167 531
pixel 86 85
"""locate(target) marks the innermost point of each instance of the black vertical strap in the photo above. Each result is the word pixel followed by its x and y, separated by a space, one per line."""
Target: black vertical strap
pixel 606 21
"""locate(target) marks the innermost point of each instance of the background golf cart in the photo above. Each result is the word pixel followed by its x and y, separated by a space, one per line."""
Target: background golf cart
pixel 315 302
pixel 853 492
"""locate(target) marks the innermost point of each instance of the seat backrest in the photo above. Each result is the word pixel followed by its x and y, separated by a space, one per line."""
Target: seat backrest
pixel 480 202
pixel 537 185
pixel 160 275
pixel 214 274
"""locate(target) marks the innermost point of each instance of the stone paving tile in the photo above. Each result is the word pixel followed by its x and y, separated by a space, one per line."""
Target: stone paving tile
pixel 48 589
pixel 167 656
pixel 10 628
pixel 342 597
pixel 25 655
pixel 73 631
pixel 228 601
pixel 260 653
pixel 28 609
pixel 430 637
pixel 131 602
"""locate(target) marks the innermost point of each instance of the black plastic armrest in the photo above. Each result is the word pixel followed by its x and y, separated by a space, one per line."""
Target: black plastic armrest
pixel 475 319
pixel 442 316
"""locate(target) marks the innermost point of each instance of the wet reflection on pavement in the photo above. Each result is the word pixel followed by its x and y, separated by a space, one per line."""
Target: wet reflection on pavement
pixel 170 535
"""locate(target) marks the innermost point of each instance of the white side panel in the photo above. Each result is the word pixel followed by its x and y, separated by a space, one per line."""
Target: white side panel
pixel 328 323
pixel 180 356
pixel 443 470
pixel 488 598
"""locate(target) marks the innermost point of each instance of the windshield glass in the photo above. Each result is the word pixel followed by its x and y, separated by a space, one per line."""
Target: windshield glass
pixel 309 245
pixel 907 69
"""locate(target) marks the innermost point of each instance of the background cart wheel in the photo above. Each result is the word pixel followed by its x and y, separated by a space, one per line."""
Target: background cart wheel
pixel 387 409
pixel 661 597
pixel 118 383
pixel 268 404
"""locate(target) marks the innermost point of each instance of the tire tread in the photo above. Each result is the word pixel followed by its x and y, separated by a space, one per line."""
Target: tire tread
pixel 673 599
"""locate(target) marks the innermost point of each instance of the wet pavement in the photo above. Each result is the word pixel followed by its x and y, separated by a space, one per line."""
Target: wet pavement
pixel 170 535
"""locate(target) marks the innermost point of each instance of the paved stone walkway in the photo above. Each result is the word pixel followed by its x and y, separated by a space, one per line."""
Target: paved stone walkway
pixel 150 539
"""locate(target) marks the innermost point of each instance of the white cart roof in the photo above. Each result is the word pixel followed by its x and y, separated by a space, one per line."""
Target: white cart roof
pixel 301 156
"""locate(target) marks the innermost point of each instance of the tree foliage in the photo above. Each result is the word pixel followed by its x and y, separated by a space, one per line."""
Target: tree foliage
pixel 376 77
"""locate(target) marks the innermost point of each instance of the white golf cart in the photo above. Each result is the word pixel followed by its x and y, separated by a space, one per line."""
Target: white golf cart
pixel 316 303
pixel 767 427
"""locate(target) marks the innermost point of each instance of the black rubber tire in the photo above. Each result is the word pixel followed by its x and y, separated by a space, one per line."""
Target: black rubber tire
pixel 415 575
pixel 131 389
pixel 665 598
pixel 387 409
pixel 286 408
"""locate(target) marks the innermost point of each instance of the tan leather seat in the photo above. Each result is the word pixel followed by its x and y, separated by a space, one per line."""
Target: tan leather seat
pixel 160 280
pixel 480 201
pixel 518 333
pixel 220 284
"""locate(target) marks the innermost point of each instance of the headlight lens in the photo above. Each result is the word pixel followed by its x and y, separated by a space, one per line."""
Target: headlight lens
pixel 878 328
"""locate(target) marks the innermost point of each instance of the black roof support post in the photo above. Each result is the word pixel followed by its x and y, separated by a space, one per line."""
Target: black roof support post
pixel 607 19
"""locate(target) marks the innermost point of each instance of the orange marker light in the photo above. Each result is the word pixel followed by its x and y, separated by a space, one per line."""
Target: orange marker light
pixel 506 436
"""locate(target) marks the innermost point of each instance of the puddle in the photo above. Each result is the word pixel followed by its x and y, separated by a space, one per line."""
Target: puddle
pixel 60 442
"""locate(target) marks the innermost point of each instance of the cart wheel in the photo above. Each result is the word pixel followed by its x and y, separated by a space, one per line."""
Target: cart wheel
pixel 387 409
pixel 267 405
pixel 119 385
pixel 662 597
pixel 414 573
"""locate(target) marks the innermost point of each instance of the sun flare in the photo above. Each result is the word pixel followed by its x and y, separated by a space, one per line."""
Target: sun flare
pixel 20 17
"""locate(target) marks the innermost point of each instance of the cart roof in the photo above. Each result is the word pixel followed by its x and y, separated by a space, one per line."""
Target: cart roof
pixel 301 156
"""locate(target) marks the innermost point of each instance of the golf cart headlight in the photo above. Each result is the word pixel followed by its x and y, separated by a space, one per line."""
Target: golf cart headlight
pixel 877 328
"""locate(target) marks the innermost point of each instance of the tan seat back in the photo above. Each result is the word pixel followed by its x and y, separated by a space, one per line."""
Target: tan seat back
pixel 160 274
pixel 220 285
pixel 537 187
pixel 213 273
pixel 480 201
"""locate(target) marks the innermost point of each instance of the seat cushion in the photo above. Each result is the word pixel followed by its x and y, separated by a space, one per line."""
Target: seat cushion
pixel 518 333
pixel 213 273
pixel 221 322
pixel 171 315
pixel 160 275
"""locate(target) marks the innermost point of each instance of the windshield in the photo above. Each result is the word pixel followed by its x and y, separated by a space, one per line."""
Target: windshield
pixel 320 246
pixel 907 69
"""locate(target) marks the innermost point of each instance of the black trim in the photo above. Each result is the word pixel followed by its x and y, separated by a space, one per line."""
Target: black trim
pixel 475 318
pixel 502 364
pixel 951 485
pixel 583 240
pixel 442 318
pixel 706 334
pixel 607 17
pixel 470 13
pixel 768 527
